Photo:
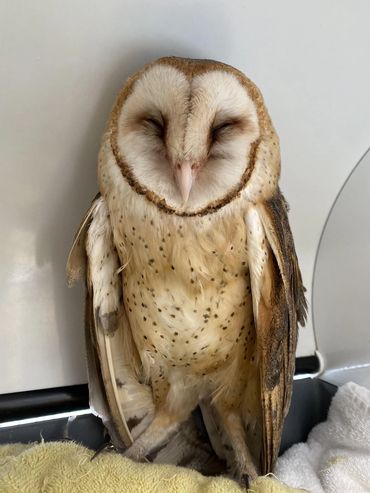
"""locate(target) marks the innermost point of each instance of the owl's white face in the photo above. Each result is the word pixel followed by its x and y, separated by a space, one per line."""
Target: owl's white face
pixel 187 140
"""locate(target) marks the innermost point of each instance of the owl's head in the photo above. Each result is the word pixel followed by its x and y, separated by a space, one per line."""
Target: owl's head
pixel 192 135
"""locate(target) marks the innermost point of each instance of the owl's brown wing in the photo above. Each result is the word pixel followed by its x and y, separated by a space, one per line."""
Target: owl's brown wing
pixel 115 393
pixel 279 305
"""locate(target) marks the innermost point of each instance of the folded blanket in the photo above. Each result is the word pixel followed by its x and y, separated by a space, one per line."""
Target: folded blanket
pixel 66 467
pixel 336 456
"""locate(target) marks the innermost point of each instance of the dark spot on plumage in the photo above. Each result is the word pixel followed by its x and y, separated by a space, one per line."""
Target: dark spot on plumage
pixel 144 318
pixel 119 383
pixel 172 267
pixel 175 333
pixel 145 337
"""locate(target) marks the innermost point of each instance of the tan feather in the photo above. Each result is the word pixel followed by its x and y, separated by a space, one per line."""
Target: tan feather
pixel 76 262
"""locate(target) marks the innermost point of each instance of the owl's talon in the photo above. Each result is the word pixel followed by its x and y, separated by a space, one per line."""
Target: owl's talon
pixel 135 453
pixel 245 480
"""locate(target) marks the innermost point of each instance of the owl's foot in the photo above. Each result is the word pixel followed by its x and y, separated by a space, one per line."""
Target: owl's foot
pixel 243 472
pixel 135 452
pixel 245 481
pixel 242 464
pixel 159 431
pixel 247 475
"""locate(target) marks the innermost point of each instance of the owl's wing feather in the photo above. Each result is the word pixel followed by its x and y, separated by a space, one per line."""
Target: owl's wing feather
pixel 76 262
pixel 278 305
pixel 115 393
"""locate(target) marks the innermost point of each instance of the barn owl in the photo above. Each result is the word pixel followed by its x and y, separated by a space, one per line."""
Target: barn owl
pixel 194 291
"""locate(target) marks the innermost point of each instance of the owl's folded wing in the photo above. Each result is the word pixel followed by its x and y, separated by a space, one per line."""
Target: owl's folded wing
pixel 279 305
pixel 115 392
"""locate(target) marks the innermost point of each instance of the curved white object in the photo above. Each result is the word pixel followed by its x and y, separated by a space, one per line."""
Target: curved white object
pixel 341 289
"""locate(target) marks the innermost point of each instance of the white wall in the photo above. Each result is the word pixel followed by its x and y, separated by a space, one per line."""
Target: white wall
pixel 63 63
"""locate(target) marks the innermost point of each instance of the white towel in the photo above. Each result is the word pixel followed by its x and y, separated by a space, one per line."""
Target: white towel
pixel 336 456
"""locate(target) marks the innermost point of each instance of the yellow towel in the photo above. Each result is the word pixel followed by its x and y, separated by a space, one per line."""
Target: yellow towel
pixel 65 467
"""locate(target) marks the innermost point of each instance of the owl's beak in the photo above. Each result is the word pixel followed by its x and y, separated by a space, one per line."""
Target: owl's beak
pixel 184 176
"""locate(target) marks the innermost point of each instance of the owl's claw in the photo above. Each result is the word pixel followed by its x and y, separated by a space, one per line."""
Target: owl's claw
pixel 135 452
pixel 245 481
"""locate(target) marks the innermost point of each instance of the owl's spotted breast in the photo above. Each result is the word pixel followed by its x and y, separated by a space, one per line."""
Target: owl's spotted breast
pixel 187 290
